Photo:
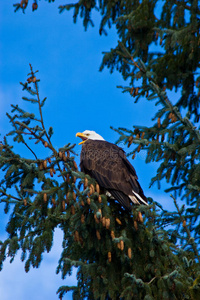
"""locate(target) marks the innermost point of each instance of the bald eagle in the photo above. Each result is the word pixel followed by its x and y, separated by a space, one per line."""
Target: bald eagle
pixel 108 165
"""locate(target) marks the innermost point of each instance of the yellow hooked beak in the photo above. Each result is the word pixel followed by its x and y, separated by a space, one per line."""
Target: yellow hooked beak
pixel 82 136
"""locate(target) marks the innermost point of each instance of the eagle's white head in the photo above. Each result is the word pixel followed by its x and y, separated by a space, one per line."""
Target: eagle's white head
pixel 89 135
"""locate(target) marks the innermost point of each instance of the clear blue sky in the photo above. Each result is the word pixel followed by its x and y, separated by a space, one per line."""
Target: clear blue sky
pixel 79 97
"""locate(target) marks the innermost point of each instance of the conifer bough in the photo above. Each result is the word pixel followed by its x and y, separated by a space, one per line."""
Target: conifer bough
pixel 158 52
pixel 118 254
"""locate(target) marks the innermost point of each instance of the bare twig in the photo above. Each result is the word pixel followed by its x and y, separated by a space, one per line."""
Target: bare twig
pixel 136 65
pixel 152 280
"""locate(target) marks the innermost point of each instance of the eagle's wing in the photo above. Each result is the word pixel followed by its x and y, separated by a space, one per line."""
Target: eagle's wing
pixel 108 165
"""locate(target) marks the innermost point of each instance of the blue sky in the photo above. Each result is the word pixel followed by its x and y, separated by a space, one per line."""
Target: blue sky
pixel 79 97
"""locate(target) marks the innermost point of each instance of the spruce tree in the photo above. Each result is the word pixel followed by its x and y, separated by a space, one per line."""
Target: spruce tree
pixel 149 253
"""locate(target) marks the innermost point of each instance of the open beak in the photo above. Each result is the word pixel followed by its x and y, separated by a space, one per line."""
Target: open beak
pixel 82 136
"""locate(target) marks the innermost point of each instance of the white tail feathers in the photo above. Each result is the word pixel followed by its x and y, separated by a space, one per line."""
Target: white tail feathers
pixel 109 195
pixel 135 200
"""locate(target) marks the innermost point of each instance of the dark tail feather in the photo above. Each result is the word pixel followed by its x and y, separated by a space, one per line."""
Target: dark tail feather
pixel 122 198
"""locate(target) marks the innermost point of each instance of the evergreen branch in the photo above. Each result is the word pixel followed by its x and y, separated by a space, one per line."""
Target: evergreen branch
pixel 131 57
pixel 49 145
pixel 190 238
pixel 33 133
pixel 163 96
pixel 9 196
pixel 154 85
pixel 39 103
pixel 22 132
pixel 23 141
pixel 137 66
pixel 188 7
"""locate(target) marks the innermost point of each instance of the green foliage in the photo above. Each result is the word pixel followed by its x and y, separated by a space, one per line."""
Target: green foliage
pixel 118 256
pixel 173 141
pixel 195 289
pixel 171 27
